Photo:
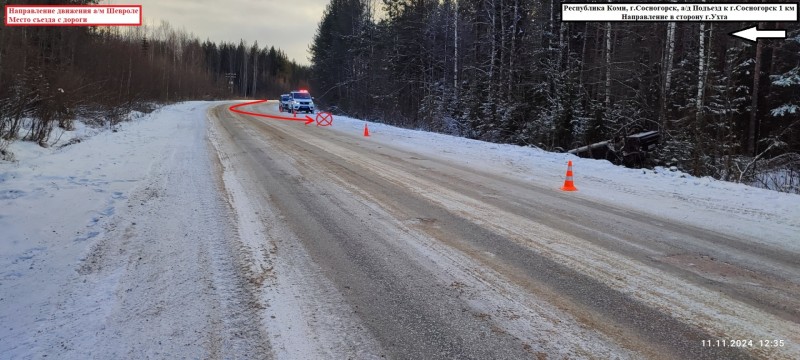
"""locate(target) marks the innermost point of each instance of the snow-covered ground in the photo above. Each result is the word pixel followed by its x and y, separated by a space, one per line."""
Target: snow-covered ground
pixel 737 210
pixel 117 246
pixel 57 205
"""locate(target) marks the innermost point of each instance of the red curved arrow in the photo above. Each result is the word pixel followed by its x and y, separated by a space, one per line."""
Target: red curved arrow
pixel 233 108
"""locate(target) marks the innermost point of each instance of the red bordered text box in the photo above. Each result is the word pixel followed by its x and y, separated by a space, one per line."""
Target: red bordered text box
pixel 48 15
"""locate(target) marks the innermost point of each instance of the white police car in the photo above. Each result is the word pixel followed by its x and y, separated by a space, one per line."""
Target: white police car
pixel 301 100
pixel 286 103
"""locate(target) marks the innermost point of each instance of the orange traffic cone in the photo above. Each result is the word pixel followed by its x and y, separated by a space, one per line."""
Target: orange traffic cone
pixel 568 184
pixel 366 130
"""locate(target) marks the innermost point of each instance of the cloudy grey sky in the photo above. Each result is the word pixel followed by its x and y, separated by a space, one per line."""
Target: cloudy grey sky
pixel 286 24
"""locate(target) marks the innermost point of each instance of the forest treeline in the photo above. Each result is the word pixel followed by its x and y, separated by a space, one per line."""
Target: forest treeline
pixel 510 71
pixel 50 75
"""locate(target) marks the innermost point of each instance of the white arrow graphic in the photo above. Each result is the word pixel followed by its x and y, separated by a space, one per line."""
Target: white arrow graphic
pixel 753 34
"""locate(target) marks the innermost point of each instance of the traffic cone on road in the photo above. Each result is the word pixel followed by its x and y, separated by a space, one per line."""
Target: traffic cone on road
pixel 568 184
pixel 366 130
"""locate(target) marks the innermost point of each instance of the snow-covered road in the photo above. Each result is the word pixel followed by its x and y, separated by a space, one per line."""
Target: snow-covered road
pixel 195 232
pixel 122 247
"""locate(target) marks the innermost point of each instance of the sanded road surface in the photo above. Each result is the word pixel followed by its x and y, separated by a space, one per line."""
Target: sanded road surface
pixel 403 255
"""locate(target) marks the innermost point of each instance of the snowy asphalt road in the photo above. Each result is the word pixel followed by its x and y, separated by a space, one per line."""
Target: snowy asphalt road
pixel 194 232
pixel 422 258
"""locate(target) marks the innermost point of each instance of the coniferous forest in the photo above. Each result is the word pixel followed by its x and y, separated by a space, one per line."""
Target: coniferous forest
pixel 497 70
pixel 510 71
pixel 51 75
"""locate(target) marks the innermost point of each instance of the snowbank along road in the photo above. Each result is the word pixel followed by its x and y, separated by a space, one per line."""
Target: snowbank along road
pixel 258 238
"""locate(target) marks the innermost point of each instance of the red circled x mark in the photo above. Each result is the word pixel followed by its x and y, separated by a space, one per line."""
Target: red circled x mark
pixel 324 119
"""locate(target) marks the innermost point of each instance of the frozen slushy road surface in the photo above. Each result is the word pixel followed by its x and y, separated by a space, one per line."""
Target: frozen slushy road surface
pixel 195 232
pixel 428 258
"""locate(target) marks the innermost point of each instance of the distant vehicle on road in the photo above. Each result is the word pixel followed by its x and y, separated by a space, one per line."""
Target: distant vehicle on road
pixel 302 101
pixel 285 103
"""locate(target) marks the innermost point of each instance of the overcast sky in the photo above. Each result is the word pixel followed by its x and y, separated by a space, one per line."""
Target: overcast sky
pixel 286 24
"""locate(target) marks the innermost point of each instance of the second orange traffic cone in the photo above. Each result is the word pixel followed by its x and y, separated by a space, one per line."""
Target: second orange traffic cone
pixel 366 130
pixel 568 184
